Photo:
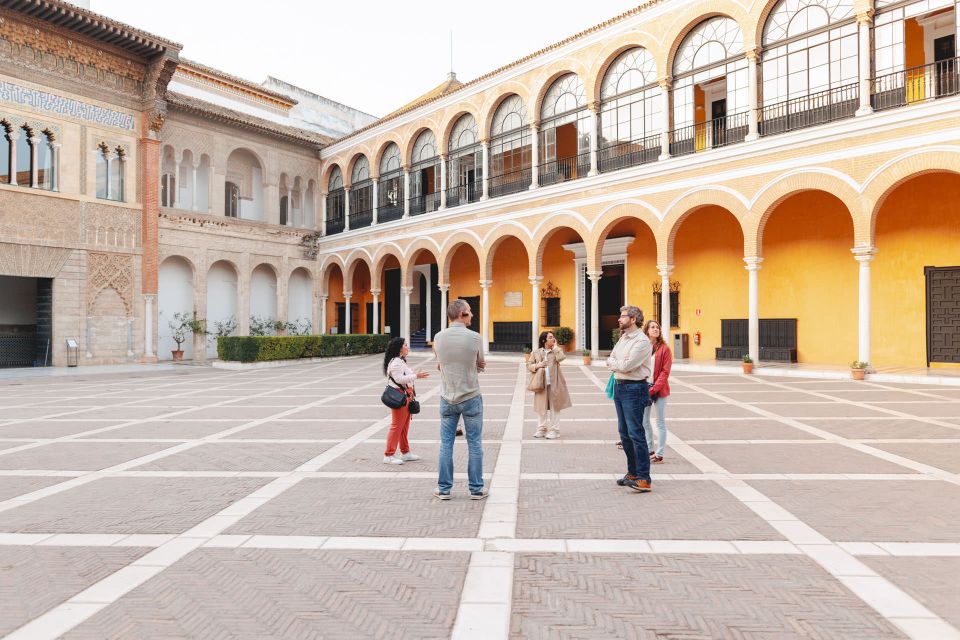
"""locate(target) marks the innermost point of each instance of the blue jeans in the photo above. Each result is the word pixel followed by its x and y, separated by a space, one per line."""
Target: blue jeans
pixel 661 404
pixel 472 412
pixel 630 400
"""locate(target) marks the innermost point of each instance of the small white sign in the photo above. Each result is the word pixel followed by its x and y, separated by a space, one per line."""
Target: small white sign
pixel 71 343
pixel 513 298
pixel 386 329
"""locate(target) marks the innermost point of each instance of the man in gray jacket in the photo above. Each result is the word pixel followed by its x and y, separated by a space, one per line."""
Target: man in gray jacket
pixel 460 359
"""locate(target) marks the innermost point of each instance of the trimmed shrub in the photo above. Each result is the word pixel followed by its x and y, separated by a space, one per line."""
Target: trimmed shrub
pixel 266 348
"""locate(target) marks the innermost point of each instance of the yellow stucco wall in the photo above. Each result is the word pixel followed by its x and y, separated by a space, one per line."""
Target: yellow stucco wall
pixel 809 274
pixel 510 273
pixel 558 268
pixel 917 226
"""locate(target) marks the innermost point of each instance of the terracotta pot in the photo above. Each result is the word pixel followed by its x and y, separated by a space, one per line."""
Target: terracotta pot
pixel 858 374
pixel 747 367
pixel 586 360
pixel 177 355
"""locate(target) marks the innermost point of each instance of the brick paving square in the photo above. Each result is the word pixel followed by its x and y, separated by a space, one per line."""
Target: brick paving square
pixel 79 456
pixel 733 429
pixel 129 505
pixel 675 510
pixel 30 413
pixel 934 582
pixel 369 457
pixel 52 428
pixel 123 413
pixel 924 408
pixel 882 428
pixel 170 429
pixel 817 457
pixel 303 430
pixel 366 507
pixel 368 414
pixel 230 412
pixel 825 408
pixel 252 594
pixel 557 456
pixel 35 579
pixel 579 429
pixel 13 486
pixel 712 410
pixel 427 427
pixel 871 510
pixel 768 396
pixel 690 596
pixel 943 455
pixel 238 456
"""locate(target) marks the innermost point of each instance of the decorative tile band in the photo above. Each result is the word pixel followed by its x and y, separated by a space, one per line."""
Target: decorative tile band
pixel 10 92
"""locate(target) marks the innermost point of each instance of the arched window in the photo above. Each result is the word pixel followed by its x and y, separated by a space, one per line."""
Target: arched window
pixel 335 204
pixel 231 200
pixel 464 162
pixel 424 174
pixel 510 148
pixel 631 120
pixel 24 157
pixel 103 171
pixel 564 145
pixel 5 149
pixel 118 165
pixel 915 51
pixel 361 194
pixel 168 185
pixel 809 64
pixel 390 188
pixel 43 147
pixel 710 101
pixel 284 211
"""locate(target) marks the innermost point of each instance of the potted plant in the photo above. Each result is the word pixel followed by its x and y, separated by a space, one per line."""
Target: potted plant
pixel 526 354
pixel 858 369
pixel 564 336
pixel 586 357
pixel 747 363
pixel 180 325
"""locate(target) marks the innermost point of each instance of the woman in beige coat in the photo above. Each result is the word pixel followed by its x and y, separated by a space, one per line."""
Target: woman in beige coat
pixel 553 398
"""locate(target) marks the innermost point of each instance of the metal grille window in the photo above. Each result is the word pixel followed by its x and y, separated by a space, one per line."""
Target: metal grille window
pixel 464 162
pixel 674 303
pixel 550 306
pixel 361 194
pixel 390 187
pixel 510 148
pixel 630 114
pixel 110 168
pixel 5 145
pixel 335 202
pixel 710 100
pixel 564 145
pixel 425 175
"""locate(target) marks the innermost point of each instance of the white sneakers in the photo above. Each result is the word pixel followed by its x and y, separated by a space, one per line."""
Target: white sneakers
pixel 541 432
pixel 401 458
pixel 392 460
pixel 409 457
pixel 553 434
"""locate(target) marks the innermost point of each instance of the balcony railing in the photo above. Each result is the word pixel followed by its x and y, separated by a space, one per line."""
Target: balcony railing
pixel 510 182
pixel 424 203
pixel 810 110
pixel 711 134
pixel 630 153
pixel 360 219
pixel 463 194
pixel 335 225
pixel 918 84
pixel 563 169
pixel 390 200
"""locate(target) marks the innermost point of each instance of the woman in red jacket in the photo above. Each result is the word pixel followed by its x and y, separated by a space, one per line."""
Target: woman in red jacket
pixel 659 390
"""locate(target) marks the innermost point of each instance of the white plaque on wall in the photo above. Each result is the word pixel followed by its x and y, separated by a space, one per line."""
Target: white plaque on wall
pixel 513 298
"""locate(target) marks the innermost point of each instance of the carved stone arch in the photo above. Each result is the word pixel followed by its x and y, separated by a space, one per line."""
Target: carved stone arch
pixel 687 20
pixel 354 158
pixel 270 263
pixel 410 255
pixel 329 262
pixel 451 122
pixel 692 201
pixel 379 260
pixel 614 215
pixel 504 91
pixel 548 76
pixel 546 229
pixel 325 175
pixel 251 149
pixel 450 247
pixel 495 238
pixel 407 150
pixel 778 190
pixel 390 137
pixel 110 271
pixel 352 261
pixel 612 49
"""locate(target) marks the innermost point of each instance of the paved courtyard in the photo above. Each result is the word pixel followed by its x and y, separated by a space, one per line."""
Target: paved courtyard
pixel 203 503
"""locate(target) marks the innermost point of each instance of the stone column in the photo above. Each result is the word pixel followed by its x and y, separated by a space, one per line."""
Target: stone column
pixel 210 174
pixel 428 334
pixel 444 321
pixel 347 320
pixel 753 119
pixel 323 314
pixel 346 208
pixel 665 84
pixel 148 325
pixel 665 270
pixel 149 232
pixel 405 312
pixel 13 136
pixel 864 23
pixel 55 156
pixel 443 181
pixel 376 310
pixel 594 314
pixel 406 192
pixel 193 189
pixel 108 157
pixel 535 156
pixel 34 158
pixel 485 164
pixel 485 314
pixel 864 255
pixel 753 312
pixel 594 124
pixel 376 198
pixel 176 181
pixel 323 214
pixel 535 311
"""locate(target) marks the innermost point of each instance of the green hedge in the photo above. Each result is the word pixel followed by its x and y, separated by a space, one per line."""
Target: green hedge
pixel 264 348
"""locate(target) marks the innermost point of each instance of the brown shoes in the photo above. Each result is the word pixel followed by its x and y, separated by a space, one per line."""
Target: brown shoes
pixel 640 486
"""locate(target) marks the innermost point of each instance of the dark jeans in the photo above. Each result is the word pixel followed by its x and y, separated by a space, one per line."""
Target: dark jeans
pixel 630 400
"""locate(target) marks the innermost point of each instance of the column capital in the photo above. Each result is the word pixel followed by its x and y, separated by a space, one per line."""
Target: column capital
pixel 443 156
pixel 406 290
pixel 535 127
pixel 375 178
pixel 863 254
pixel 324 299
pixel 753 263
pixel 665 270
pixel 347 294
pixel 594 276
pixel 486 284
pixel 149 297
pixel 405 168
pixel 485 142
pixel 375 292
pixel 752 54
pixel 594 105
pixel 442 286
pixel 865 16
pixel 665 83
pixel 535 280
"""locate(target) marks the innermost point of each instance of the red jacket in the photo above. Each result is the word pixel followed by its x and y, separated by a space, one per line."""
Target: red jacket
pixel 662 361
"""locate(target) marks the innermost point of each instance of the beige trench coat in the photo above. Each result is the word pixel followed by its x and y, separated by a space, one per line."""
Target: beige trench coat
pixel 559 397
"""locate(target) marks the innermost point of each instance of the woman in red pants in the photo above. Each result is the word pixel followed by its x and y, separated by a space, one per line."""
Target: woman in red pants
pixel 400 376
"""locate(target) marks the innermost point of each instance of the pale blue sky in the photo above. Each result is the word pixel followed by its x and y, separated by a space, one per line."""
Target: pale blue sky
pixel 374 56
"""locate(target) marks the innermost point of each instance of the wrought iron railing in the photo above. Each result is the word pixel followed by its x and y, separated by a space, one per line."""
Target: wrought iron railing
pixel 390 199
pixel 335 224
pixel 463 194
pixel 424 203
pixel 510 182
pixel 563 169
pixel 360 219
pixel 810 110
pixel 630 153
pixel 335 219
pixel 711 134
pixel 917 84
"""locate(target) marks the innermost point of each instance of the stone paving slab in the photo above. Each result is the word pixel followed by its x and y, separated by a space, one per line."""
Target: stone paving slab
pixel 735 430
pixel 942 455
pixel 231 412
pixel 238 456
pixel 885 510
pixel 314 429
pixel 129 505
pixel 825 408
pixel 13 486
pixel 557 456
pixel 764 397
pixel 816 457
pixel 36 579
pixel 123 413
pixel 53 428
pixel 79 456
pixel 369 457
pixel 923 408
pixel 685 597
pixel 883 428
pixel 186 430
pixel 365 507
pixel 427 426
pixel 252 594
pixel 676 509
pixel 935 582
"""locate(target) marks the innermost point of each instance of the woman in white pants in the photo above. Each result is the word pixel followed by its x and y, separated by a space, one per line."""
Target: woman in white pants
pixel 553 398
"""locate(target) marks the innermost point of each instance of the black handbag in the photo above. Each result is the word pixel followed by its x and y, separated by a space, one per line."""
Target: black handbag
pixel 393 397
pixel 413 406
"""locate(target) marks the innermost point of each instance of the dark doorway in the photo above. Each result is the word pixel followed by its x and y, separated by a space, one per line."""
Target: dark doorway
pixel 391 302
pixel 436 313
pixel 943 314
pixel 419 315
pixel 610 297
pixel 474 302
pixel 342 317
pixel 944 52
pixel 718 114
pixel 26 322
pixel 370 317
